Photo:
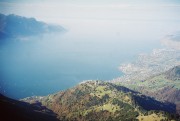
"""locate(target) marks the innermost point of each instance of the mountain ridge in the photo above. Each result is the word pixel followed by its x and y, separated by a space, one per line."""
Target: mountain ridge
pixel 18 26
pixel 90 99
pixel 173 74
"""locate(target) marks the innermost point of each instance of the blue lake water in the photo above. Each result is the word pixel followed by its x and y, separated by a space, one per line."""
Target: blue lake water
pixel 49 63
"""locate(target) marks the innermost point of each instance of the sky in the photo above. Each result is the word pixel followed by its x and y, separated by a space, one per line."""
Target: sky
pixel 54 10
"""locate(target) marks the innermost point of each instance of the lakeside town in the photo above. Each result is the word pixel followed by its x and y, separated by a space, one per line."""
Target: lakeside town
pixel 160 60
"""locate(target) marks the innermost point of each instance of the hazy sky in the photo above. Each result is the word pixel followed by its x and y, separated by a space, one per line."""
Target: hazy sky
pixel 74 14
pixel 54 10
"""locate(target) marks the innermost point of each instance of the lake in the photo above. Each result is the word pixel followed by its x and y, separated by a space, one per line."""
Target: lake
pixel 49 63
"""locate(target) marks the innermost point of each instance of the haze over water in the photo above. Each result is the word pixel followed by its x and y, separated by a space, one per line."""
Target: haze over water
pixel 100 36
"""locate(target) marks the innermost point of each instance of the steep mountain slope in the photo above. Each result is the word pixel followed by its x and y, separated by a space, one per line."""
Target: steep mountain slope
pixel 96 100
pixel 164 87
pixel 12 110
pixel 18 26
pixel 173 74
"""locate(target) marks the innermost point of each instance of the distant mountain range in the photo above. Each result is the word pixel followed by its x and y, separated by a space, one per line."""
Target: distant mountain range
pixel 18 26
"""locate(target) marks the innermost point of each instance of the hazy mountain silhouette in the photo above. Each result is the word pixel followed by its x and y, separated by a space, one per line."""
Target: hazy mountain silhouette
pixel 18 26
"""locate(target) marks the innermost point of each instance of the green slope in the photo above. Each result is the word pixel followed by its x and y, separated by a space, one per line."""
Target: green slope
pixel 101 101
pixel 163 87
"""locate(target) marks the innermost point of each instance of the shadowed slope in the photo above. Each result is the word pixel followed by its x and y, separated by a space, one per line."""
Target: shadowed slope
pixel 20 111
